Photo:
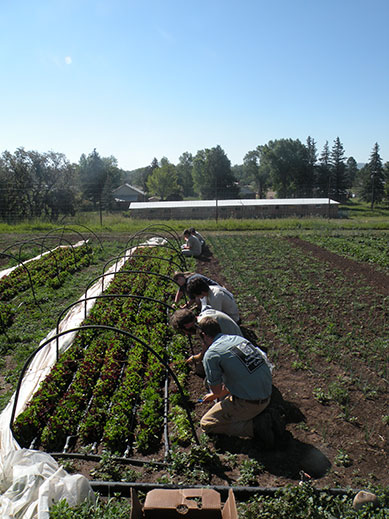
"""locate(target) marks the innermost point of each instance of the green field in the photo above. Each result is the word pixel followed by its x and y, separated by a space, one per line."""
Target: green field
pixel 324 319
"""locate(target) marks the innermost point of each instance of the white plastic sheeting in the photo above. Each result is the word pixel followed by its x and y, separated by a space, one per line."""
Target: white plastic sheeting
pixel 31 480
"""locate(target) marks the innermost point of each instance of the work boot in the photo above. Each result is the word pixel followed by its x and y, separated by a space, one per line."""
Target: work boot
pixel 263 429
pixel 282 437
pixel 278 423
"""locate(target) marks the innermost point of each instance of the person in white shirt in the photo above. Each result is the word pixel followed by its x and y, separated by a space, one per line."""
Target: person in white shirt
pixel 218 298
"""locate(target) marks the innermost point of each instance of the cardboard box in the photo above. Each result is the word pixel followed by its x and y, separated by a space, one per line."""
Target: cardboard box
pixel 203 503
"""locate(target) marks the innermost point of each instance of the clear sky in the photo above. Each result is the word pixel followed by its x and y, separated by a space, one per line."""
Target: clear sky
pixel 139 79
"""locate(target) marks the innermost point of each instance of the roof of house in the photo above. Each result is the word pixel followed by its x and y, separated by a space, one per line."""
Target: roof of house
pixel 136 189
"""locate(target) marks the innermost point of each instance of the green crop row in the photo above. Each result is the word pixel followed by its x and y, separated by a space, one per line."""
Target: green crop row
pixel 370 248
pixel 50 270
pixel 107 388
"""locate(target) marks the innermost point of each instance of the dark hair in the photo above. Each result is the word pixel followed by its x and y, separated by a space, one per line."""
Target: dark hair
pixel 209 326
pixel 192 230
pixel 179 274
pixel 197 286
pixel 186 232
pixel 180 318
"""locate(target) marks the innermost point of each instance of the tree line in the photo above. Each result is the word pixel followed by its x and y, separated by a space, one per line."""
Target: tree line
pixel 36 184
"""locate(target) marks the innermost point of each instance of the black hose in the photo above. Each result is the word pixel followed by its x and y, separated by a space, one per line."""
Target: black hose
pixel 108 488
pixel 97 458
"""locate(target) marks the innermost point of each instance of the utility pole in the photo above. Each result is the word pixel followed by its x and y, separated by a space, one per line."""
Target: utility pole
pixel 216 207
pixel 329 192
pixel 372 189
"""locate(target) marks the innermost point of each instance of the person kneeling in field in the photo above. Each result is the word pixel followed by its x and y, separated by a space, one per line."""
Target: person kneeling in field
pixel 239 376
pixel 192 245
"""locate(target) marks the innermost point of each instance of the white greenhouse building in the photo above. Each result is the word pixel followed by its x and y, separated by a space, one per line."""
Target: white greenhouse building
pixel 239 208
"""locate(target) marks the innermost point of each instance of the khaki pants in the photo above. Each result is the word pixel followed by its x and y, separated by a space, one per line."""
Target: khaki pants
pixel 232 416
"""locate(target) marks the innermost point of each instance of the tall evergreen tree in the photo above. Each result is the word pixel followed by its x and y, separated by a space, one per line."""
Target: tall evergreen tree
pixel 340 182
pixel 386 182
pixel 373 187
pixel 323 173
pixel 352 169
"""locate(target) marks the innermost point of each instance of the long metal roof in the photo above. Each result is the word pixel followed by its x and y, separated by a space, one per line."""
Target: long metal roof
pixel 244 202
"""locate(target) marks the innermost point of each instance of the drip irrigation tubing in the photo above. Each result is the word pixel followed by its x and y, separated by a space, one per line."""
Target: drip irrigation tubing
pixel 97 458
pixel 123 487
pixel 109 488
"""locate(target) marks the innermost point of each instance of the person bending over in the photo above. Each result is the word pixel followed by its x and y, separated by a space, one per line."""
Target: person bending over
pixel 186 322
pixel 218 298
pixel 183 278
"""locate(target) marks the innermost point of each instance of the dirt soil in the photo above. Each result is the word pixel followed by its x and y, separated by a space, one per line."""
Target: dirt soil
pixel 319 434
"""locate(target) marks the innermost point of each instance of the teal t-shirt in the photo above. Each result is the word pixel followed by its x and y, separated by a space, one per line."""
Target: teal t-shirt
pixel 240 366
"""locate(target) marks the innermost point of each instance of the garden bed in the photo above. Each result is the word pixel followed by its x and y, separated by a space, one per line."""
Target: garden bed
pixel 323 318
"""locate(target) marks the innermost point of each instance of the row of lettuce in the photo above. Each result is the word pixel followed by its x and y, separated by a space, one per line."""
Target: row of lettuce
pixel 50 270
pixel 107 389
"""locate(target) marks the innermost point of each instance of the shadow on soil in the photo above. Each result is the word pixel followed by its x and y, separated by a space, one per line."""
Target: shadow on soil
pixel 290 460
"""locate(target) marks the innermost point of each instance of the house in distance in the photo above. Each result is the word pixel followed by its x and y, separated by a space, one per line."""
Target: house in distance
pixel 127 193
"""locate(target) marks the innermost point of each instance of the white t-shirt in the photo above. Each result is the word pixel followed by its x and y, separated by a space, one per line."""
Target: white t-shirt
pixel 228 326
pixel 219 298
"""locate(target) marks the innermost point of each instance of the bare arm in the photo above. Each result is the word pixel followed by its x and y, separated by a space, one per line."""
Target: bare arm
pixel 217 392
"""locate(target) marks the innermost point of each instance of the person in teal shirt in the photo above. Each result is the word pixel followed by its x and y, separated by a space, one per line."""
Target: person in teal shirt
pixel 239 376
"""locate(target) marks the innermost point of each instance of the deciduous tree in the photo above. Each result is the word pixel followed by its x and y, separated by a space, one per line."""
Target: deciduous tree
pixel 31 183
pixel 163 181
pixel 256 171
pixel 212 174
pixel 184 171
pixel 287 162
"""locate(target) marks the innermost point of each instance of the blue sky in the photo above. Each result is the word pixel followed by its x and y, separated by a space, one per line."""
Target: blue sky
pixel 139 79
